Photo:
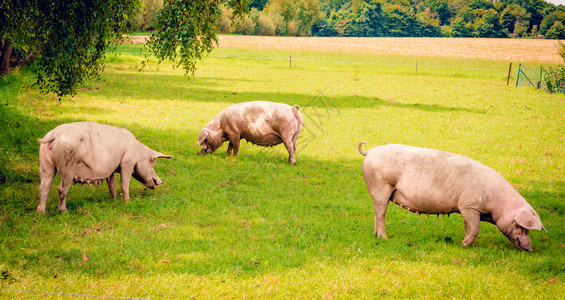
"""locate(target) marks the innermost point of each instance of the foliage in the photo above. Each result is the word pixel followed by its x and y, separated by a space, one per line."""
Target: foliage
pixel 515 19
pixel 557 31
pixel 71 37
pixel 144 20
pixel 555 79
pixel 435 9
pixel 550 20
pixel 297 16
pixel 374 19
pixel 188 29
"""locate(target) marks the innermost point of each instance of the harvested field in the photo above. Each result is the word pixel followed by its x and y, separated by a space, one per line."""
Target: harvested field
pixel 516 50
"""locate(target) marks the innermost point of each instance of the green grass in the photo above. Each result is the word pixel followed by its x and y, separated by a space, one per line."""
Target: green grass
pixel 255 226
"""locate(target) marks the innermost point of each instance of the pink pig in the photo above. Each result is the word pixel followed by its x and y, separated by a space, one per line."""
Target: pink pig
pixel 87 152
pixel 435 182
pixel 259 122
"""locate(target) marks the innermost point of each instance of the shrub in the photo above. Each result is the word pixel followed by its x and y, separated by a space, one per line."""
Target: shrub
pixel 555 79
pixel 265 26
pixel 225 21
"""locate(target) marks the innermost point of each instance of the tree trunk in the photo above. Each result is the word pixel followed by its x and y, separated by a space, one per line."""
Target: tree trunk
pixel 5 58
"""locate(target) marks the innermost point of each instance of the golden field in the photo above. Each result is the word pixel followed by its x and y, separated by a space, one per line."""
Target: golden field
pixel 519 50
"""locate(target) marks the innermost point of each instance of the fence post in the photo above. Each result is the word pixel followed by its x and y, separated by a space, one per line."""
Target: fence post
pixel 541 78
pixel 290 61
pixel 416 67
pixel 518 76
pixel 509 73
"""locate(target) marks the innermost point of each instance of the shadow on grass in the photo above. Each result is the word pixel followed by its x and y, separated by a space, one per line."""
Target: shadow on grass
pixel 176 87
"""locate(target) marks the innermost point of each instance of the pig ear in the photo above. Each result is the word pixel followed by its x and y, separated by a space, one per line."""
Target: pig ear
pixel 202 137
pixel 154 155
pixel 527 220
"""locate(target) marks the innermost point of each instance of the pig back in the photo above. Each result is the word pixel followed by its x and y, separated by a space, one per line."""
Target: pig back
pixel 91 148
pixel 432 181
pixel 260 122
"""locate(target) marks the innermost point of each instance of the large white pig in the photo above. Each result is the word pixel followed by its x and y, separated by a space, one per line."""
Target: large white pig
pixel 86 152
pixel 259 122
pixel 436 182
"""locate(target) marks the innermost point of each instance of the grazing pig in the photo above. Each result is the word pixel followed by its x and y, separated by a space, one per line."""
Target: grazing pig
pixel 86 152
pixel 259 122
pixel 435 182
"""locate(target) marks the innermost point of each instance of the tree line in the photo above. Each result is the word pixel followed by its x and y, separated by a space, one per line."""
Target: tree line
pixel 399 18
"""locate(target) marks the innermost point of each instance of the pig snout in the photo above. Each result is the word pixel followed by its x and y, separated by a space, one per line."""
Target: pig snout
pixel 525 244
pixel 522 242
pixel 206 149
pixel 157 180
pixel 520 237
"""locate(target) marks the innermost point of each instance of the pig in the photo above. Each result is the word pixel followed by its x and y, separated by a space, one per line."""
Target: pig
pixel 86 152
pixel 436 182
pixel 259 122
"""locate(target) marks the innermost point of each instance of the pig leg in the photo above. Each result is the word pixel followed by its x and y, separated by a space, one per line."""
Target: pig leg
pixel 381 194
pixel 47 175
pixel 112 185
pixel 234 142
pixel 290 148
pixel 125 178
pixel 230 148
pixel 472 225
pixel 47 172
pixel 289 140
pixel 66 182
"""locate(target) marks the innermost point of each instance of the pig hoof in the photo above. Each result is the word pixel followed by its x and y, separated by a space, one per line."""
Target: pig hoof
pixel 465 244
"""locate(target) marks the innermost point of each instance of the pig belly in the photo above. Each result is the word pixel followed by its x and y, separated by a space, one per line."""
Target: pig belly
pixel 424 203
pixel 268 140
pixel 85 174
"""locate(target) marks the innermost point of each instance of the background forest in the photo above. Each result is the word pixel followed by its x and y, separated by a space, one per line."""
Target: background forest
pixel 389 18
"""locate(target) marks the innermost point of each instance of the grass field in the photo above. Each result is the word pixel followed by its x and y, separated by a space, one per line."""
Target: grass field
pixel 256 227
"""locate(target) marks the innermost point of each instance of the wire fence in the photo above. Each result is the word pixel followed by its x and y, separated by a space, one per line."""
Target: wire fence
pixel 525 76
pixel 530 77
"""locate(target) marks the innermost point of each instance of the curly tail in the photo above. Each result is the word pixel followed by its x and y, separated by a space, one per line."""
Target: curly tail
pixel 47 141
pixel 364 153
pixel 295 108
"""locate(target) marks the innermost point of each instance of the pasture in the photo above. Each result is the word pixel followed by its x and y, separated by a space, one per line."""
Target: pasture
pixel 255 226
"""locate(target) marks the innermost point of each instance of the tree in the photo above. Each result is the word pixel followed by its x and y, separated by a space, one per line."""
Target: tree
pixel 462 25
pixel 556 32
pixel 515 19
pixel 298 15
pixel 188 28
pixel 550 19
pixel 488 25
pixel 438 8
pixel 14 13
pixel 72 37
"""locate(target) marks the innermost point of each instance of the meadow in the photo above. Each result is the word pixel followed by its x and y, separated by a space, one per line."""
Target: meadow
pixel 255 226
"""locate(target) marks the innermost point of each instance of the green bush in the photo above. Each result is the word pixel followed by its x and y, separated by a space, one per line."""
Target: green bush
pixel 555 79
pixel 556 32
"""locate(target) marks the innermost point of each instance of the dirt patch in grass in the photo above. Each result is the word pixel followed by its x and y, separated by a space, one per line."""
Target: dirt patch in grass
pixel 516 50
